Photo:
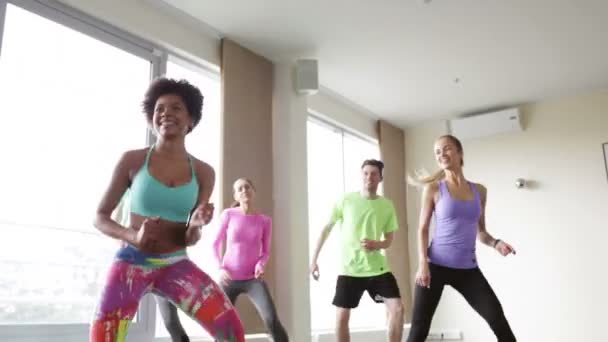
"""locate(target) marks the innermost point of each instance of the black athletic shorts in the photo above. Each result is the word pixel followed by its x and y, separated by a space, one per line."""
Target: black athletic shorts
pixel 350 289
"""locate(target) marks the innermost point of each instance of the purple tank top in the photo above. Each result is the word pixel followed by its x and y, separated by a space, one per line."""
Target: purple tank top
pixel 456 223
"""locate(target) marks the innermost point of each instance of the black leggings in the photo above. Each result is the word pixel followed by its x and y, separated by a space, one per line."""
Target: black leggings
pixel 258 293
pixel 474 288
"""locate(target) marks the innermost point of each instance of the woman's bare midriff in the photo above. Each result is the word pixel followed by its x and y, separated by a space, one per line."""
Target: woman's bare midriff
pixel 172 235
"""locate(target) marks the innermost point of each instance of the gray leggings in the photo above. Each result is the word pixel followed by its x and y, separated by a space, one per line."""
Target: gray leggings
pixel 257 291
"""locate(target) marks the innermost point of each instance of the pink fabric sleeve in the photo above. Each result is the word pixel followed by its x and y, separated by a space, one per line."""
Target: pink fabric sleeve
pixel 220 237
pixel 266 237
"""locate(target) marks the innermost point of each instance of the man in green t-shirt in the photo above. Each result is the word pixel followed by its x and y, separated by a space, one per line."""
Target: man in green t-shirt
pixel 367 222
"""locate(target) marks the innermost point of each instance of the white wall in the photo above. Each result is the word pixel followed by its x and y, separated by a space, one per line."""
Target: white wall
pixel 554 288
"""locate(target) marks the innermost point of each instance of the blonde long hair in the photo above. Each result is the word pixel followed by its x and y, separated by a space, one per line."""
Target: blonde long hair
pixel 422 178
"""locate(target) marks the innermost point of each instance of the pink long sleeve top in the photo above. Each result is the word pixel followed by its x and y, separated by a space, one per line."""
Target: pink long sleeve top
pixel 247 239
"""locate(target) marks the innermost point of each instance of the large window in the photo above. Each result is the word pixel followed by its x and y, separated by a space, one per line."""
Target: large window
pixel 334 163
pixel 71 92
pixel 59 111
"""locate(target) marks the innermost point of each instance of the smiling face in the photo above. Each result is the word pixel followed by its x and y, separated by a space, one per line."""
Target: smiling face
pixel 171 118
pixel 448 153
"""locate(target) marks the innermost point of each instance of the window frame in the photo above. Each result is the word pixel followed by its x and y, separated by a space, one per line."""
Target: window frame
pixel 144 328
pixel 344 132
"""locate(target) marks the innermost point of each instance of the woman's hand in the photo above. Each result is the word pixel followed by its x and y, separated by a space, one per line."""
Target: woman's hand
pixel 504 248
pixel 423 275
pixel 225 278
pixel 202 215
pixel 148 234
pixel 259 272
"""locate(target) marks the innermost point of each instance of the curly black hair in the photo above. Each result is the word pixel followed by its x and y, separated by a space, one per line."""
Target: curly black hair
pixel 191 95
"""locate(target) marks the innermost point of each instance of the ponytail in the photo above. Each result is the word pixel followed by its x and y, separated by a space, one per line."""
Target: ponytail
pixel 420 180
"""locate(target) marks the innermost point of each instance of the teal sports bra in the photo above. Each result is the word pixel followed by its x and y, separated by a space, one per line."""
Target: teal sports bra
pixel 150 198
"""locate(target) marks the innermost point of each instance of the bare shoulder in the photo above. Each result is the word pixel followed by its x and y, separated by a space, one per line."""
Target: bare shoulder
pixel 431 188
pixel 430 192
pixel 133 160
pixel 481 188
pixel 202 168
pixel 135 155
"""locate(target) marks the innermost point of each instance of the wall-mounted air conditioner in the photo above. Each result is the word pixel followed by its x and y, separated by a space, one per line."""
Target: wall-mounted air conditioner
pixel 486 124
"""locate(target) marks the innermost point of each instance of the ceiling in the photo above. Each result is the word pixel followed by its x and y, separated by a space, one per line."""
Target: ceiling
pixel 410 61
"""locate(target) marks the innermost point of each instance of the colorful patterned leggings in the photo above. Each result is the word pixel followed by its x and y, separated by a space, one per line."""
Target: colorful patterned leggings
pixel 171 275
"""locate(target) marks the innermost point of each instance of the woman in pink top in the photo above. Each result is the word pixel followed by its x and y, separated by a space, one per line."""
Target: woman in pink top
pixel 247 235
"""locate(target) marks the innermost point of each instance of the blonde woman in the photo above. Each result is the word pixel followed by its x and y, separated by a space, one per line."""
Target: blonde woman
pixel 458 206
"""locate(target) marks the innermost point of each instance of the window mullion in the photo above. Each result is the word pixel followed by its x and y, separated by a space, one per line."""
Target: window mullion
pixel 343 162
pixel 158 68
pixel 2 18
